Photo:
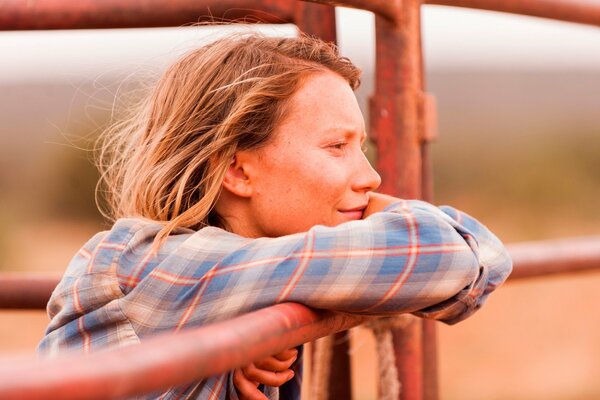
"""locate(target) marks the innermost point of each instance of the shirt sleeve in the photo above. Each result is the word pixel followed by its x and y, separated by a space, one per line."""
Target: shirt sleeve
pixel 495 265
pixel 412 257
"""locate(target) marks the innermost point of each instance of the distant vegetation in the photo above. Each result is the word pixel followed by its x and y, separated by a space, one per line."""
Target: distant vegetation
pixel 520 151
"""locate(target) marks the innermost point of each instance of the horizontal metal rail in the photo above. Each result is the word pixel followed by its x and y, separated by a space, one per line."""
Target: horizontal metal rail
pixel 170 359
pixel 26 290
pixel 536 259
pixel 531 259
pixel 578 11
pixel 91 14
pixel 387 9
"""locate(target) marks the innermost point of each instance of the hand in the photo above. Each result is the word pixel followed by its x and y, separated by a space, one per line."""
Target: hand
pixel 377 202
pixel 271 371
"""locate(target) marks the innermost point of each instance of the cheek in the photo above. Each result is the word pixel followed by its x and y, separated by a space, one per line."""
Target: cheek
pixel 306 179
pixel 298 195
pixel 327 178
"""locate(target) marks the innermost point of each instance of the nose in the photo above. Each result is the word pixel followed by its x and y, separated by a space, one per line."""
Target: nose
pixel 366 178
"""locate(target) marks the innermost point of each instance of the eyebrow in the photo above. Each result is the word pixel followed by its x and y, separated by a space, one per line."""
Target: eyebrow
pixel 348 132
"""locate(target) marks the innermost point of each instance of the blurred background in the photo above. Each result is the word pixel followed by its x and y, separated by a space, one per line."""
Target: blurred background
pixel 519 148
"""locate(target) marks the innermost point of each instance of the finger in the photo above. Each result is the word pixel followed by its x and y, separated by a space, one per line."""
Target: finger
pixel 246 389
pixel 275 365
pixel 287 354
pixel 268 378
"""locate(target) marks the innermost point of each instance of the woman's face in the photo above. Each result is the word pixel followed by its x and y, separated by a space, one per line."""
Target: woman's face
pixel 314 171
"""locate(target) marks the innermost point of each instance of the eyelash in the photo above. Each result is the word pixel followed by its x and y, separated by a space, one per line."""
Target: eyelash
pixel 339 145
pixel 342 145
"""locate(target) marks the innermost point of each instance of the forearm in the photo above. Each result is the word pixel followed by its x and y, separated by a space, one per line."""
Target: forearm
pixel 493 259
pixel 451 248
pixel 406 258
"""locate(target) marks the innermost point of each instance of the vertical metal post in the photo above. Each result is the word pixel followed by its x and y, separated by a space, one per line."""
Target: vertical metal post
pixel 430 362
pixel 316 20
pixel 395 104
pixel 340 380
pixel 408 350
pixel 428 131
pixel 398 124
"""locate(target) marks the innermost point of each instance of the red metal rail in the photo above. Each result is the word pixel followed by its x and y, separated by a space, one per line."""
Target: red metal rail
pixel 387 9
pixel 171 359
pixel 579 11
pixel 536 259
pixel 93 14
pixel 26 290
pixel 85 14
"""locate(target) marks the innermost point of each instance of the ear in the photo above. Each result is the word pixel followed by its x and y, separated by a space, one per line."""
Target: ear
pixel 236 179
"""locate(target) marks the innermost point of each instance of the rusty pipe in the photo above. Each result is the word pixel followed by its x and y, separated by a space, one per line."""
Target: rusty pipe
pixel 61 14
pixel 578 11
pixel 535 259
pixel 89 14
pixel 387 9
pixel 395 121
pixel 26 290
pixel 170 359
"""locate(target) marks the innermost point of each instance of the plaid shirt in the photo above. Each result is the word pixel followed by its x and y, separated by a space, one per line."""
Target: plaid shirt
pixel 411 258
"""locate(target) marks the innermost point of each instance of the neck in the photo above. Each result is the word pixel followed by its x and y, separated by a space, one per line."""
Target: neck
pixel 235 213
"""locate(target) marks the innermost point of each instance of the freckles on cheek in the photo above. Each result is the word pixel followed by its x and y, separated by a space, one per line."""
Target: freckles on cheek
pixel 325 171
pixel 332 175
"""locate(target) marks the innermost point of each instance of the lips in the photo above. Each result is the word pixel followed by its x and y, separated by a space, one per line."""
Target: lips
pixel 354 213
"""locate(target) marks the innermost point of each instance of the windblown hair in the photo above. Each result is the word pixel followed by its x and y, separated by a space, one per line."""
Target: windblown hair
pixel 167 162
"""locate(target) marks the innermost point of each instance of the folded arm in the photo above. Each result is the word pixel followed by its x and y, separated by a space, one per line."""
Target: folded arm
pixel 410 257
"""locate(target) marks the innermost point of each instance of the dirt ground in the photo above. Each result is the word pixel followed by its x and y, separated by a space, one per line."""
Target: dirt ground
pixel 536 339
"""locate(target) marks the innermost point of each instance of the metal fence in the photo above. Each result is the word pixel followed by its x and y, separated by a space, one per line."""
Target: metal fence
pixel 403 123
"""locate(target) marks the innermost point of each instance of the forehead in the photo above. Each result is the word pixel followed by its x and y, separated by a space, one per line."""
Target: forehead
pixel 325 103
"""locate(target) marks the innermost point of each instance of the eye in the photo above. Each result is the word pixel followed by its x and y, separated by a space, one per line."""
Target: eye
pixel 338 145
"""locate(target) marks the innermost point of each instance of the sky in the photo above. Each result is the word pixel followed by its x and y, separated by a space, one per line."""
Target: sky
pixel 454 38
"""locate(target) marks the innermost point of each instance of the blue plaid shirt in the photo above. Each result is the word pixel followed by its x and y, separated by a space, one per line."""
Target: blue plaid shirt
pixel 413 257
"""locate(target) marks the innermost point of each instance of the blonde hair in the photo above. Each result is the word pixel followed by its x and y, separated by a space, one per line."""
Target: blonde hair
pixel 168 161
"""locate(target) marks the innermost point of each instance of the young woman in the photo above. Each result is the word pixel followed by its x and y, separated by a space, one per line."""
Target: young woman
pixel 242 183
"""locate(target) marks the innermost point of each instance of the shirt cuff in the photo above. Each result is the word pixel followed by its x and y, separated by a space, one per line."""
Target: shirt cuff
pixel 461 305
